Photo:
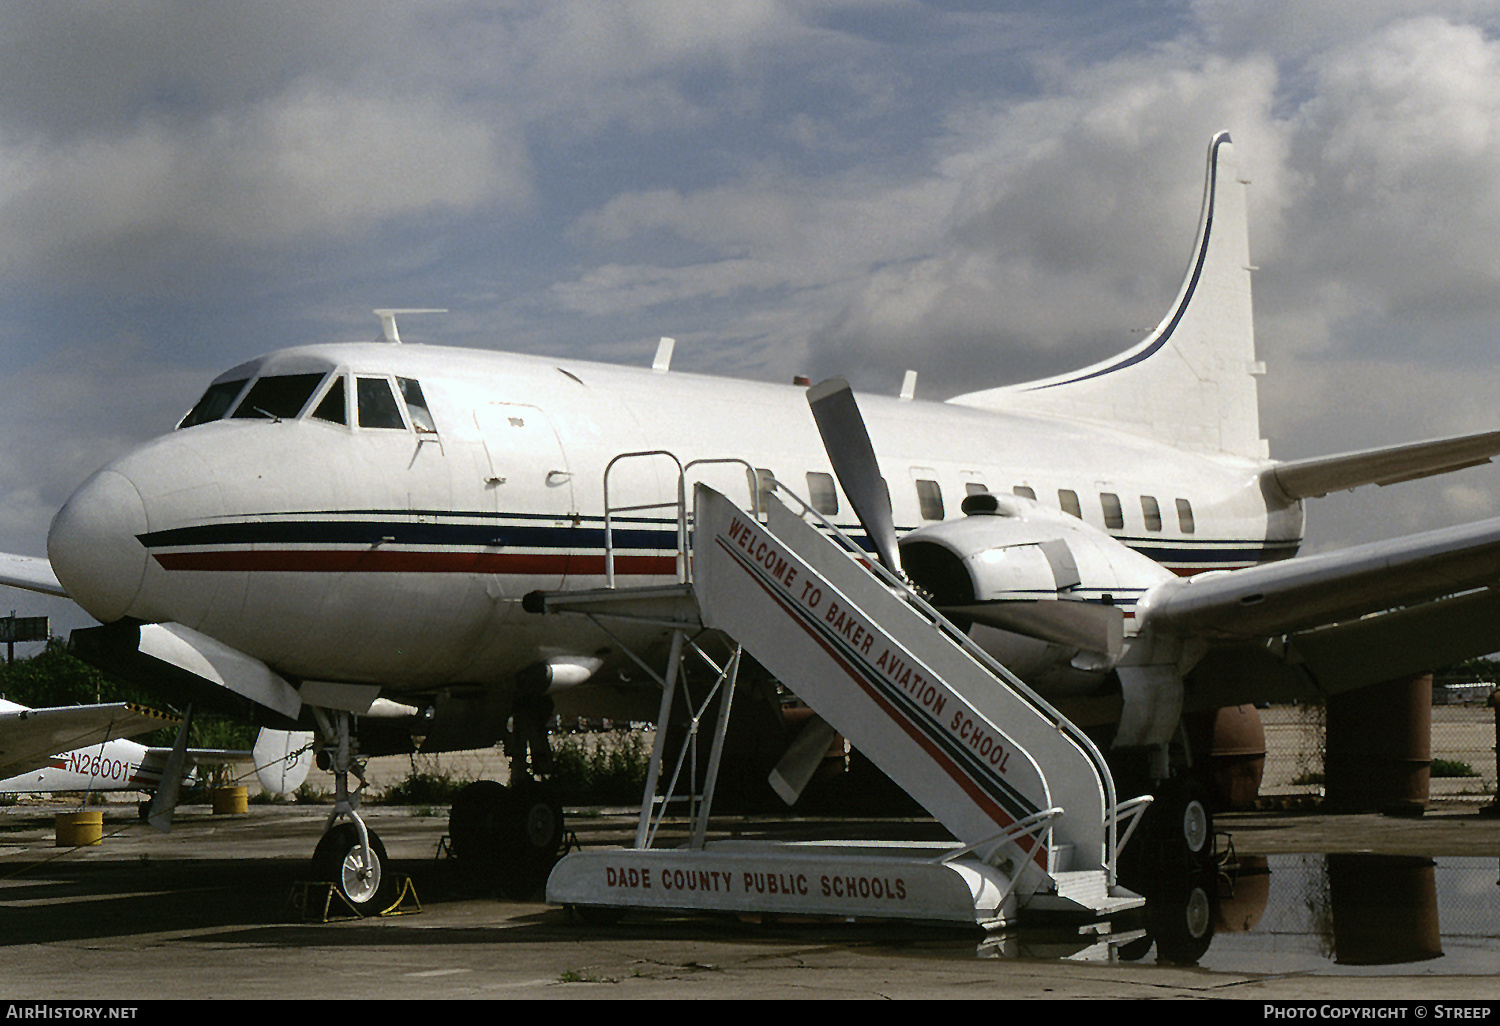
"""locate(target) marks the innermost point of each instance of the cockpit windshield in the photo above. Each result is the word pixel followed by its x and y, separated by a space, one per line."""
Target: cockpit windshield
pixel 215 402
pixel 279 396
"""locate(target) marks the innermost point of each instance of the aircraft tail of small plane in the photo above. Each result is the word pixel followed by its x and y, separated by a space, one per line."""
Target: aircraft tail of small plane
pixel 1192 382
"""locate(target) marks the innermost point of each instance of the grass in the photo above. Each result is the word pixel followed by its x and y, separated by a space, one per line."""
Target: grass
pixel 598 769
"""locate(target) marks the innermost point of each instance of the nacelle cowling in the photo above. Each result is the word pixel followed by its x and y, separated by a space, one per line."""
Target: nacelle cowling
pixel 1015 565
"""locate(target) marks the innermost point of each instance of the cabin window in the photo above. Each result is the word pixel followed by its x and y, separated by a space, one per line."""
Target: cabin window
pixel 377 404
pixel 278 396
pixel 821 493
pixel 333 408
pixel 1068 500
pixel 416 405
pixel 1185 516
pixel 976 488
pixel 1024 491
pixel 214 404
pixel 929 500
pixel 1151 512
pixel 1114 516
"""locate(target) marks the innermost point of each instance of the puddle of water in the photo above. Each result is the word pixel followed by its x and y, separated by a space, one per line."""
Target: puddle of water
pixel 1359 915
pixel 1347 915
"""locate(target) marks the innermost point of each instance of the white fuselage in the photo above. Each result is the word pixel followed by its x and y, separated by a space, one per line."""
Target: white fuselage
pixel 399 555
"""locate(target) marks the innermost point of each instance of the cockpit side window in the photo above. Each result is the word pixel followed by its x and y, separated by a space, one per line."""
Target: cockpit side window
pixel 278 396
pixel 416 405
pixel 214 404
pixel 377 404
pixel 332 408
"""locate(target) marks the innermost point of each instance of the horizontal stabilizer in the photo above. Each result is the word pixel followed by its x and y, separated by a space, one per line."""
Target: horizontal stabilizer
pixel 1309 478
pixel 172 659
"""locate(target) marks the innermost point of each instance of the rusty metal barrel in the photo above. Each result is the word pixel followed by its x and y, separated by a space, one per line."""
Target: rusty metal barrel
pixel 1229 751
pixel 1379 747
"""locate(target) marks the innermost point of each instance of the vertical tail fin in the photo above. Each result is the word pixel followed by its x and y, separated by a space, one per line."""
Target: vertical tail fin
pixel 1192 381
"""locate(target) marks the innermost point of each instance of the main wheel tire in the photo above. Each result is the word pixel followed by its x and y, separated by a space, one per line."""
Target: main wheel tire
pixel 1181 920
pixel 476 823
pixel 1179 827
pixel 339 859
pixel 514 834
pixel 533 841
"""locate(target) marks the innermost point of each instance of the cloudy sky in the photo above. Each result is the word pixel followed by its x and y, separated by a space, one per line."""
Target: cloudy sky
pixel 984 191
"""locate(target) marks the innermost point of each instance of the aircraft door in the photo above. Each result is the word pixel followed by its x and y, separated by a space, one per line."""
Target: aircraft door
pixel 532 489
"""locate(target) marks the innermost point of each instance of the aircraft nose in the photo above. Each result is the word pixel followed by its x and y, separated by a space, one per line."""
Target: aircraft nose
pixel 93 548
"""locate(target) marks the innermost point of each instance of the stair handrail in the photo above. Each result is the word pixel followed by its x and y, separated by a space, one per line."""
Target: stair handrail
pixel 609 511
pixel 1034 824
pixel 1133 810
pixel 680 505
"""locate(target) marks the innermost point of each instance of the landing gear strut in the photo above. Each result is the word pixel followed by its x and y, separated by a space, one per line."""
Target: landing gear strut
pixel 350 857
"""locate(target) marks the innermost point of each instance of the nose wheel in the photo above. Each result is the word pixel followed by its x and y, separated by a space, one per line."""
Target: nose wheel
pixel 357 869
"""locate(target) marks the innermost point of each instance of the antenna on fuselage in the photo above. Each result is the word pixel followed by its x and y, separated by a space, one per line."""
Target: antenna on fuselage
pixel 663 361
pixel 388 331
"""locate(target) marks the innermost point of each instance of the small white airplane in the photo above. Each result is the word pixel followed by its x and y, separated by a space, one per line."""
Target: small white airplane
pixel 87 748
pixel 78 748
pixel 347 532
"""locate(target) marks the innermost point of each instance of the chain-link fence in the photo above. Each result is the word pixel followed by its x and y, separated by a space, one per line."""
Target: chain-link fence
pixel 1463 748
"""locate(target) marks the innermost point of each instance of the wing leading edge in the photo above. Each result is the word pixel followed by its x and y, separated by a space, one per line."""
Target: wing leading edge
pixel 1318 590
pixel 29 573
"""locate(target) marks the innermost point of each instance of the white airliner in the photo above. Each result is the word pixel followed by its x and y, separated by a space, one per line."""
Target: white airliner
pixel 348 530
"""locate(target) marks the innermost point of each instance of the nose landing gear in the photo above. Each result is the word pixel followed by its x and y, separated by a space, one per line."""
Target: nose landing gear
pixel 350 857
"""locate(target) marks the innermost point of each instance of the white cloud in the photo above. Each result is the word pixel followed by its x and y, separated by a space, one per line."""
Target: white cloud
pixel 309 163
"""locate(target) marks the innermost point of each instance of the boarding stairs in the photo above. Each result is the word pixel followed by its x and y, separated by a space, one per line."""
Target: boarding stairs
pixel 1027 795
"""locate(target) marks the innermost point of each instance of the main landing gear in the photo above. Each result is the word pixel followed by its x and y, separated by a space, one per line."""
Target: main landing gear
pixel 1171 863
pixel 350 857
pixel 513 834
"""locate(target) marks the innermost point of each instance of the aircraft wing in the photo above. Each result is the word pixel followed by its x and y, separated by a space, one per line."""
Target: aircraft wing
pixel 29 573
pixel 30 737
pixel 1316 591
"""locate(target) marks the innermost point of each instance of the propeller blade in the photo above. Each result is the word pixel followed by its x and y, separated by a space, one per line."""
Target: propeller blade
pixel 164 802
pixel 1085 625
pixel 853 458
pixel 801 759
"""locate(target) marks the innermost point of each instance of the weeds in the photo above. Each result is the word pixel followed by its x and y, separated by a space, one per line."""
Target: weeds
pixel 1452 768
pixel 422 788
pixel 610 771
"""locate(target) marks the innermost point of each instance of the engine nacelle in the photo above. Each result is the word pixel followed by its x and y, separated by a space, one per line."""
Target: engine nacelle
pixel 1048 595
